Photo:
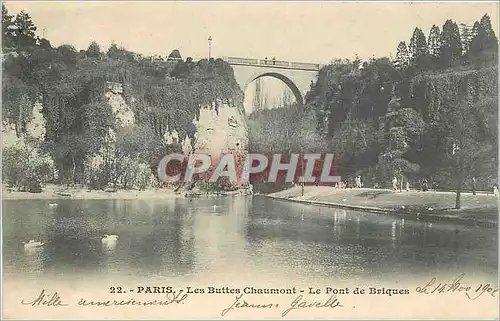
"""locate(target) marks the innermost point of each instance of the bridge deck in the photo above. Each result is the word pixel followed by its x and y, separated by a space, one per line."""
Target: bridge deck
pixel 270 63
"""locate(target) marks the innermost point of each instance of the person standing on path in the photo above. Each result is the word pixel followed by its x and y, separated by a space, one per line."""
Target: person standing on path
pixel 395 183
pixel 425 186
pixel 358 181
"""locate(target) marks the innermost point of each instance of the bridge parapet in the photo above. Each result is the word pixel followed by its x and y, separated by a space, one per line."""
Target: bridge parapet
pixel 305 65
pixel 243 61
pixel 272 63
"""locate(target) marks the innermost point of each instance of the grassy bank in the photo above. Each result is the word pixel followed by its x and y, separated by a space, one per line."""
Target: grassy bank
pixel 438 205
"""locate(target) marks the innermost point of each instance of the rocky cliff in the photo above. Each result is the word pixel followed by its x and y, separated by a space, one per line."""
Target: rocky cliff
pixel 218 131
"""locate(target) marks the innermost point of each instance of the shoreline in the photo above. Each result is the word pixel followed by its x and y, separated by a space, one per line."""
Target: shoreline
pixel 375 201
pixel 58 192
pixel 403 207
pixel 93 194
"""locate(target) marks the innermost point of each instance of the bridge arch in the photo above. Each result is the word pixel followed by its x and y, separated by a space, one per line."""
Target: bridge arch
pixel 290 84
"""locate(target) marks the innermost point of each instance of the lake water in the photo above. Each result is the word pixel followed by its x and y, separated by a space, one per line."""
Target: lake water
pixel 213 238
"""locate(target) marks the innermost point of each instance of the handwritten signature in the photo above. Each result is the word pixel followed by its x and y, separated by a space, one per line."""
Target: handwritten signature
pixel 44 299
pixel 472 292
pixel 298 303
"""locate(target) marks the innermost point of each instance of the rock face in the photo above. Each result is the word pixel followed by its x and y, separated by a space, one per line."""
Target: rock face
pixel 35 129
pixel 221 133
pixel 123 113
pixel 218 131
pixel 123 116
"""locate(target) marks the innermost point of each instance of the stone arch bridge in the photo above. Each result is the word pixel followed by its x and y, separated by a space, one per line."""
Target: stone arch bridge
pixel 296 75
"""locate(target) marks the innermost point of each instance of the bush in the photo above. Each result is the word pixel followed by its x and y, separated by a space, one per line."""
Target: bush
pixel 25 170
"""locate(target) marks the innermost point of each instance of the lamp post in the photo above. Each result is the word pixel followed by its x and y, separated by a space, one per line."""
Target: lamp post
pixel 302 169
pixel 209 47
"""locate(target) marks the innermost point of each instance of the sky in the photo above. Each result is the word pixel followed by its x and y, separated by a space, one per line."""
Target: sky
pixel 315 32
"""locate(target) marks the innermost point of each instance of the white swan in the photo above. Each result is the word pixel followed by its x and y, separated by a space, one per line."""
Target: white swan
pixel 53 204
pixel 32 244
pixel 109 242
pixel 111 238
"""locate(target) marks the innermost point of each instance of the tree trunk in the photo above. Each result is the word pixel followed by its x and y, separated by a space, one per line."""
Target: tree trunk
pixel 457 199
pixel 459 191
pixel 74 169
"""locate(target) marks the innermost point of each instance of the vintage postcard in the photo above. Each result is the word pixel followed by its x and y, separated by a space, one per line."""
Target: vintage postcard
pixel 249 160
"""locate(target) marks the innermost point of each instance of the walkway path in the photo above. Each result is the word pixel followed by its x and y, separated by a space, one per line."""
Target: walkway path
pixel 476 209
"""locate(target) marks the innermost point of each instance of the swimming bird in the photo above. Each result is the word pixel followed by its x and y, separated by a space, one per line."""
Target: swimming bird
pixel 109 238
pixel 32 244
pixel 53 204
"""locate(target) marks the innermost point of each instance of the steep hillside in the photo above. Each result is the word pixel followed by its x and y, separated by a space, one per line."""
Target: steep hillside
pixel 106 121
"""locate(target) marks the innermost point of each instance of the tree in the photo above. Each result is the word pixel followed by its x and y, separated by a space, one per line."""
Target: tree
pixel 418 45
pixel 466 37
pixel 67 55
pixel 468 148
pixel 24 31
pixel 402 59
pixel 8 28
pixel 491 39
pixel 260 97
pixel 44 44
pixel 483 37
pixel 119 53
pixel 398 140
pixel 94 51
pixel 451 45
pixel 434 42
pixel 113 51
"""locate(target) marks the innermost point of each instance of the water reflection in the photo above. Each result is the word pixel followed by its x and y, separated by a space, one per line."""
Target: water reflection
pixel 209 237
pixel 34 259
pixel 109 244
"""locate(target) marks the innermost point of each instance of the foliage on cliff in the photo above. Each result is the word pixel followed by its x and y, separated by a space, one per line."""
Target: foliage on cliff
pixel 401 118
pixel 71 85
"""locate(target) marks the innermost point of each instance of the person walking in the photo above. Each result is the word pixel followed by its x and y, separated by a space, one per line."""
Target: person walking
pixel 358 181
pixel 395 183
pixel 425 185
